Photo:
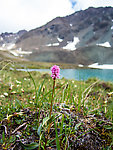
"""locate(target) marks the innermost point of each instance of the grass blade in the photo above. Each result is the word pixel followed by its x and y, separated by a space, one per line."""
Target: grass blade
pixel 29 146
pixel 57 140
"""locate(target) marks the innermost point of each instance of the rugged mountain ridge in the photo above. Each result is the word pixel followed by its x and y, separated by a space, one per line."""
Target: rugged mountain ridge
pixel 84 37
pixel 6 39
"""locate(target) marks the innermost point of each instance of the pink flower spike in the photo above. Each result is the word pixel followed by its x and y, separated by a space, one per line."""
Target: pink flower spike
pixel 55 72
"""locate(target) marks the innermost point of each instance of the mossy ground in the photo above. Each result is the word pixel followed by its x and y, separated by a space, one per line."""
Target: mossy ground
pixel 82 116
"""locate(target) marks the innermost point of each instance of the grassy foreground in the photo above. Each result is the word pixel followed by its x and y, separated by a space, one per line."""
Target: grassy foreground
pixel 82 115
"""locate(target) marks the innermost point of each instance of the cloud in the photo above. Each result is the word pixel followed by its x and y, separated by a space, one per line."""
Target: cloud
pixel 81 5
pixel 29 14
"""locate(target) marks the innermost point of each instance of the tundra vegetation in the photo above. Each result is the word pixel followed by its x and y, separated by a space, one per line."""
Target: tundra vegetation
pixel 81 114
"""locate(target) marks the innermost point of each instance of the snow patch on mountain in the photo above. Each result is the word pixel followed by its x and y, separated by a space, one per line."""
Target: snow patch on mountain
pixel 71 25
pixel 80 65
pixel 53 44
pixel 71 45
pixel 14 53
pixel 7 46
pixel 106 44
pixel 104 66
pixel 60 40
pixel 11 46
pixel 19 52
pixel 1 38
pixel 3 45
pixel 112 28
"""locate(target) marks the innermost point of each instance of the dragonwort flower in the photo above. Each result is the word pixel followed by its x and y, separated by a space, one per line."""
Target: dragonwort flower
pixel 55 72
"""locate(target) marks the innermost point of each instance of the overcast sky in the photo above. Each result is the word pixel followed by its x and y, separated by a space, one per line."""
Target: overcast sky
pixel 16 15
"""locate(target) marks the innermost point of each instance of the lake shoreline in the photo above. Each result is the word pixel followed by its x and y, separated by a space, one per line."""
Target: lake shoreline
pixel 80 74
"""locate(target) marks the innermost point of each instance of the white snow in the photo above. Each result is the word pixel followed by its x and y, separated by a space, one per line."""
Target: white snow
pixel 11 46
pixel 3 45
pixel 1 48
pixel 71 25
pixel 106 44
pixel 19 52
pixel 71 45
pixel 14 53
pixel 24 52
pixel 7 46
pixel 49 45
pixel 1 38
pixel 53 44
pixel 112 28
pixel 80 65
pixel 104 66
pixel 20 49
pixel 60 40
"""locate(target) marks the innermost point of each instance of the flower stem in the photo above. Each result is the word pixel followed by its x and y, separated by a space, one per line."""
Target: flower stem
pixel 51 104
pixel 52 97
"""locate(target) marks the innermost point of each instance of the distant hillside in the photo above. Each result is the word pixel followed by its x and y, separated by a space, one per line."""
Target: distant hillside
pixel 84 37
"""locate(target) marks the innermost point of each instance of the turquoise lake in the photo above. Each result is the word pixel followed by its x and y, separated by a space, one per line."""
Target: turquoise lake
pixel 81 74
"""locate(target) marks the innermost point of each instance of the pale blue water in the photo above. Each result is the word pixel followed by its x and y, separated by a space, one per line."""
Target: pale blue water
pixel 81 74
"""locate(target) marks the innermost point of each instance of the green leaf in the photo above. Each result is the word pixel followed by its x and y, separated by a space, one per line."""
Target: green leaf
pixel 78 125
pixel 61 128
pixel 57 140
pixel 33 82
pixel 108 127
pixel 45 120
pixel 39 129
pixel 29 146
pixel 12 139
pixel 40 88
pixel 3 136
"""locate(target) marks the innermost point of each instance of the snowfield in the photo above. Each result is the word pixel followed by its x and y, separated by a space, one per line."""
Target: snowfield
pixel 106 44
pixel 71 45
pixel 104 66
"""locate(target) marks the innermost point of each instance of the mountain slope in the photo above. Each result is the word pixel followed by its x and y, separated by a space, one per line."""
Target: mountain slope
pixel 84 37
